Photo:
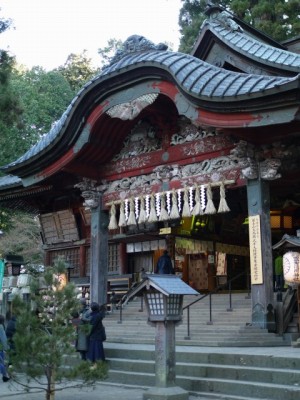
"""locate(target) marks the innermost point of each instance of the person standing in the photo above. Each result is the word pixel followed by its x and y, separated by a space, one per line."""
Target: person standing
pixel 164 264
pixel 279 273
pixel 82 329
pixel 3 348
pixel 11 330
pixel 97 334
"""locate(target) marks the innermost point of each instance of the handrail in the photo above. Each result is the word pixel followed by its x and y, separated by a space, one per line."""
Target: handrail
pixel 285 311
pixel 127 297
pixel 216 290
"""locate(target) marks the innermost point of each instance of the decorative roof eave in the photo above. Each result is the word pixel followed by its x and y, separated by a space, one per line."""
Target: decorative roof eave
pixel 13 195
pixel 214 88
pixel 20 193
pixel 233 36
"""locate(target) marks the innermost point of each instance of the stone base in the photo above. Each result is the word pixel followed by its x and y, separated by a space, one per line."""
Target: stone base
pixel 169 393
pixel 296 344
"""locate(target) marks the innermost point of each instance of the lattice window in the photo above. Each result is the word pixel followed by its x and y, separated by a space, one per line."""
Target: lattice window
pixel 113 258
pixel 71 256
pixel 88 261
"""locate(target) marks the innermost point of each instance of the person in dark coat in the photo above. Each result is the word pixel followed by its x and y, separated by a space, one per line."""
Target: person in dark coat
pixel 3 348
pixel 10 331
pixel 164 264
pixel 97 334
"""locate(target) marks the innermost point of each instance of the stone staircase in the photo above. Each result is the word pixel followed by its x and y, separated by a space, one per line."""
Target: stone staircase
pixel 213 373
pixel 224 357
pixel 228 324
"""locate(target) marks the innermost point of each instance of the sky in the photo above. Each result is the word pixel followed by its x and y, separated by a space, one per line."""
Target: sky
pixel 45 32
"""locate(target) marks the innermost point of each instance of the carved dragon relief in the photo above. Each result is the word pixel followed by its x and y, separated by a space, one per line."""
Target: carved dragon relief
pixel 189 132
pixel 142 139
pixel 245 158
pixel 214 168
pixel 263 161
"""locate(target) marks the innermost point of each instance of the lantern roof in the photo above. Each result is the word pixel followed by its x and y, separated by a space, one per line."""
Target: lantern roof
pixel 288 241
pixel 165 284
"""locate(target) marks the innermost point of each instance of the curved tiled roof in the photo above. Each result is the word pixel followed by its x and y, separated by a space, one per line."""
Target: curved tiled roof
pixel 198 79
pixel 9 181
pixel 242 42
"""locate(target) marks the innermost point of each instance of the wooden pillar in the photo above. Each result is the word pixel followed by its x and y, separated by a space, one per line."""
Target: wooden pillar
pixel 99 253
pixel 262 294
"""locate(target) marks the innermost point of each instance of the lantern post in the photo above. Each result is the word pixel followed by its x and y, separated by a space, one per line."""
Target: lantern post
pixel 163 295
pixel 291 268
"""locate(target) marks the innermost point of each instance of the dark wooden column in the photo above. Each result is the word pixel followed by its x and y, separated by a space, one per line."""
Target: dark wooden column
pixel 262 294
pixel 99 240
pixel 99 253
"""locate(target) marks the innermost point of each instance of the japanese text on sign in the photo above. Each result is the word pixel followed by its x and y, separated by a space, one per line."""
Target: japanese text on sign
pixel 255 250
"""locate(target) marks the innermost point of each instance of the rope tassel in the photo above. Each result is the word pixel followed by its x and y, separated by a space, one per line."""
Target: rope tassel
pixel 142 216
pixel 153 215
pixel 174 210
pixel 113 223
pixel 186 212
pixel 223 206
pixel 197 210
pixel 122 219
pixel 164 216
pixel 210 207
pixel 131 218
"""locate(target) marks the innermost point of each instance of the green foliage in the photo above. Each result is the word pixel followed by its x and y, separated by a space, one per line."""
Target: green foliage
pixel 107 52
pixel 4 220
pixel 10 108
pixel 279 19
pixel 21 235
pixel 77 70
pixel 44 338
pixel 4 24
pixel 44 97
pixel 191 16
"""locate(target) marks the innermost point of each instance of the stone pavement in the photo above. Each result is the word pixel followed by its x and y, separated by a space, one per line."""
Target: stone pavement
pixel 100 391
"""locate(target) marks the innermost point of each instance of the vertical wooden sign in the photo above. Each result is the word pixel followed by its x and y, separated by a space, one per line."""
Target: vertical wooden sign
pixel 255 250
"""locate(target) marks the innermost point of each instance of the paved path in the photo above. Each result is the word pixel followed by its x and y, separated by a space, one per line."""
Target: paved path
pixel 100 391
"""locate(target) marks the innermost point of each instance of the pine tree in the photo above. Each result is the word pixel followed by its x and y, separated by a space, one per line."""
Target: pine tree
pixel 10 110
pixel 44 338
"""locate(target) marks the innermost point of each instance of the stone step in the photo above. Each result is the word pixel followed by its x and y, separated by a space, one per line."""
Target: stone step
pixel 226 328
pixel 212 375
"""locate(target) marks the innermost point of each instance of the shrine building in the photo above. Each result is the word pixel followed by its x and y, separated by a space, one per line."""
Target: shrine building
pixel 195 153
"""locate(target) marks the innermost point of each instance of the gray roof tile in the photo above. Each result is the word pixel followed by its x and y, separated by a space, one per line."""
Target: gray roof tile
pixel 204 81
pixel 244 43
pixel 9 181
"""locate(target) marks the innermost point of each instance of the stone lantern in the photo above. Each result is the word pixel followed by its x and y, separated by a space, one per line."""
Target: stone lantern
pixel 291 258
pixel 291 267
pixel 163 295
